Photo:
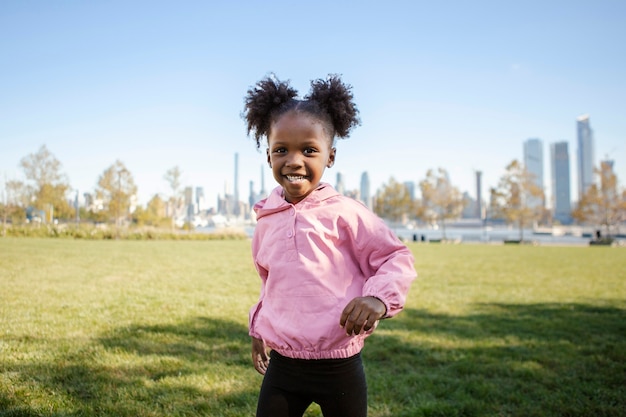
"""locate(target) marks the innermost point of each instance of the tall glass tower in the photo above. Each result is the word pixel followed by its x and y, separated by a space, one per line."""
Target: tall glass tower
pixel 365 189
pixel 340 187
pixel 561 200
pixel 533 162
pixel 479 195
pixel 585 154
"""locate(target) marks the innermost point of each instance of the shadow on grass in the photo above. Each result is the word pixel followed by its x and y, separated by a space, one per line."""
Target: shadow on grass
pixel 195 368
pixel 502 360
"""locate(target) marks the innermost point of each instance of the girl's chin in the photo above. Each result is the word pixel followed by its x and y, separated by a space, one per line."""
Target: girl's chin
pixel 294 196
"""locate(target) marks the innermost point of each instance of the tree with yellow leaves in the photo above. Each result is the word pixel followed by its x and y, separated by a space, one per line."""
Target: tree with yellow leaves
pixel 441 201
pixel 603 204
pixel 515 197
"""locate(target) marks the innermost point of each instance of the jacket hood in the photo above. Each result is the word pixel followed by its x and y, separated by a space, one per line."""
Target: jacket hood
pixel 275 202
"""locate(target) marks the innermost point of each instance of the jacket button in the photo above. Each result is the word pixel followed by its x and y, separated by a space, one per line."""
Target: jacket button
pixel 289 233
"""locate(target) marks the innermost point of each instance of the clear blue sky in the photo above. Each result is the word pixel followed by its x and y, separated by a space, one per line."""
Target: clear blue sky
pixel 453 84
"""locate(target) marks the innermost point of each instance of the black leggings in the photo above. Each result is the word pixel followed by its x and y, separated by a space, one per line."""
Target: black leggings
pixel 291 385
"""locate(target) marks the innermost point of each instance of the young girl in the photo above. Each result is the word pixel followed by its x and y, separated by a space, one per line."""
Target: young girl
pixel 329 268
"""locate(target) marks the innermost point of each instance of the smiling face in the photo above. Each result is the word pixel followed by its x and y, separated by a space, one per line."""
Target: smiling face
pixel 299 151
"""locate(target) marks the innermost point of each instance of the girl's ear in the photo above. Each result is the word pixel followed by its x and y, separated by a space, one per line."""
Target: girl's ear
pixel 331 157
pixel 269 161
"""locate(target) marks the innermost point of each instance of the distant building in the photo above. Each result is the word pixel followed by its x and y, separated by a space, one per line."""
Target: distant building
pixel 533 162
pixel 479 212
pixel 200 200
pixel 365 195
pixel 353 194
pixel 410 186
pixel 585 154
pixel 254 197
pixel 469 207
pixel 190 208
pixel 340 186
pixel 561 200
pixel 90 202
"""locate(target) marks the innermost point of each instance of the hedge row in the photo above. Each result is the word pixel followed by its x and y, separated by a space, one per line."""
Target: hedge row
pixel 107 233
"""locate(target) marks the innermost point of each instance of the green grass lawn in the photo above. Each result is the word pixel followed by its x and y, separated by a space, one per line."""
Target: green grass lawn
pixel 159 328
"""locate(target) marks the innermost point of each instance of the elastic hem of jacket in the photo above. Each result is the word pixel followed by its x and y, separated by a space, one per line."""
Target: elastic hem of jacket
pixel 331 354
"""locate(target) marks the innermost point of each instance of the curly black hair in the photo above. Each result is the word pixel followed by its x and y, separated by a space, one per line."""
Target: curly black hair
pixel 330 101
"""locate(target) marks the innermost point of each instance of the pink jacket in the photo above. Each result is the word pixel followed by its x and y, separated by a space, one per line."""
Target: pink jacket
pixel 313 258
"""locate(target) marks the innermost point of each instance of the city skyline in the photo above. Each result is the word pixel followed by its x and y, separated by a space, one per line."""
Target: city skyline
pixel 531 157
pixel 458 86
pixel 558 200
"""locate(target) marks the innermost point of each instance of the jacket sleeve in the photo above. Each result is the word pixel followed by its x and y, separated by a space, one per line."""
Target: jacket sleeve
pixel 387 261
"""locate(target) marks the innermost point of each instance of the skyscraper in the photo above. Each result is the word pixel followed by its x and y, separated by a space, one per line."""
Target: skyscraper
pixel 365 189
pixel 252 197
pixel 585 154
pixel 200 201
pixel 340 187
pixel 479 195
pixel 190 207
pixel 533 162
pixel 561 200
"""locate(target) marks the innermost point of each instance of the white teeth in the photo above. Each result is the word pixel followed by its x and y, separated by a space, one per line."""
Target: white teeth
pixel 293 178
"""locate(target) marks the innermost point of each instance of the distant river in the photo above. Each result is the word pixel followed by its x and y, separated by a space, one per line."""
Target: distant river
pixel 466 234
pixel 488 235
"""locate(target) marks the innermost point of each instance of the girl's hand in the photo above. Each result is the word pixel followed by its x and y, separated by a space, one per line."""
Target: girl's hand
pixel 362 313
pixel 259 355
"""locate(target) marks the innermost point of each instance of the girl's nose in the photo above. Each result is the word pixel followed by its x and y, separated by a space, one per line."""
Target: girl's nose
pixel 294 159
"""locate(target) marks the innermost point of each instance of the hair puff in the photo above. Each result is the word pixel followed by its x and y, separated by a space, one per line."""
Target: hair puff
pixel 336 99
pixel 262 101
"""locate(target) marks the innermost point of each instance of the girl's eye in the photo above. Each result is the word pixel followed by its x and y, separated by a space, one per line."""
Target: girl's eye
pixel 309 150
pixel 279 150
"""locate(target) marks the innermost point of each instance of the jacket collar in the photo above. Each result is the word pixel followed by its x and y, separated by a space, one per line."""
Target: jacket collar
pixel 275 202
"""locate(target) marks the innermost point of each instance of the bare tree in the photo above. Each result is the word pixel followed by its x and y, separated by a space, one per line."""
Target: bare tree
pixel 116 186
pixel 14 202
pixel 172 176
pixel 441 200
pixel 515 196
pixel 603 204
pixel 47 185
